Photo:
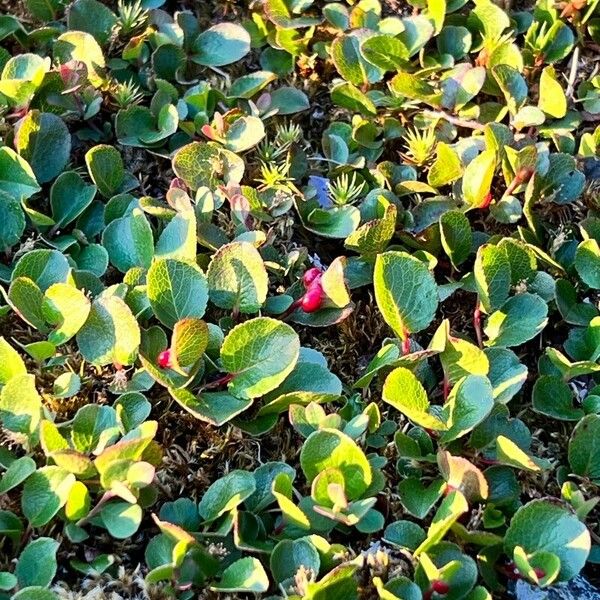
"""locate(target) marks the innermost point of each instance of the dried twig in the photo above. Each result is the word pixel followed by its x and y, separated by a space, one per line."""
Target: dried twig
pixel 573 73
pixel 440 114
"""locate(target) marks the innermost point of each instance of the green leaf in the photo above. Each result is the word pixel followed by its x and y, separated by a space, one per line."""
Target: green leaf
pixel 492 276
pixel 460 85
pixel 11 363
pixel 206 165
pixel 35 593
pixel 26 298
pixel 552 99
pixel 290 555
pixel 20 405
pixel 519 320
pixel 16 176
pixel 456 236
pixel 92 17
pixel 37 563
pixel 220 45
pixel 587 262
pixel 225 494
pixel 93 427
pixel 477 179
pixel 372 237
pixel 237 278
pixel 248 85
pixel 66 307
pixel 488 18
pixel 406 394
pixel 469 403
pixel 81 46
pixel 558 42
pixel 132 409
pixel 552 396
pixel 349 60
pixel 44 10
pixel 507 374
pixel 281 13
pixel 178 238
pixel 22 74
pixel 412 86
pixel 333 284
pixel 45 493
pixel 338 222
pixel 106 169
pixel 573 312
pixel 13 221
pixel 244 134
pixel 452 507
pixel 129 241
pixel 510 453
pixel 7 581
pixel 44 141
pixel 436 11
pixel 547 526
pixel 418 30
pixel 189 341
pixel 111 333
pixel 215 408
pixel 17 472
pixel 460 358
pixel 289 100
pixel 404 534
pixel 66 385
pixel 446 168
pixel 177 289
pixel 405 291
pixel 584 448
pixel 385 51
pixel 121 519
pixel 44 267
pixel 349 96
pixel 244 575
pixel 523 263
pixel 138 126
pixel 260 354
pixel 69 197
pixel 512 84
pixel 330 448
pixel 462 475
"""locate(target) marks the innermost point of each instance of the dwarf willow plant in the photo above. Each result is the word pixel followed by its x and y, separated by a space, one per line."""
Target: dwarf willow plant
pixel 365 245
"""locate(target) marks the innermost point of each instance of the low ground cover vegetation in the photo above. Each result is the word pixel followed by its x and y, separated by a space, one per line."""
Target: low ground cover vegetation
pixel 300 299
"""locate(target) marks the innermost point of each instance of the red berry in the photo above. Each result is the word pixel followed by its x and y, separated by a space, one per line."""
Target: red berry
pixel 164 359
pixel 440 587
pixel 313 298
pixel 310 276
pixel 539 573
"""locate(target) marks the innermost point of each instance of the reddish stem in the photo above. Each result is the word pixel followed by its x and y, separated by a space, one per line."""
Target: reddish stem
pixel 406 346
pixel 477 324
pixel 293 306
pixel 224 380
pixel 446 387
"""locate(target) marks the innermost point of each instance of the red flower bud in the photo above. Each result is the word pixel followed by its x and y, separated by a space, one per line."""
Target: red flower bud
pixel 310 276
pixel 164 359
pixel 313 298
pixel 440 587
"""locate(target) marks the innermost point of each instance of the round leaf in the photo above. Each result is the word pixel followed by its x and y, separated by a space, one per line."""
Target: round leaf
pixel 405 291
pixel 237 278
pixel 547 526
pixel 260 354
